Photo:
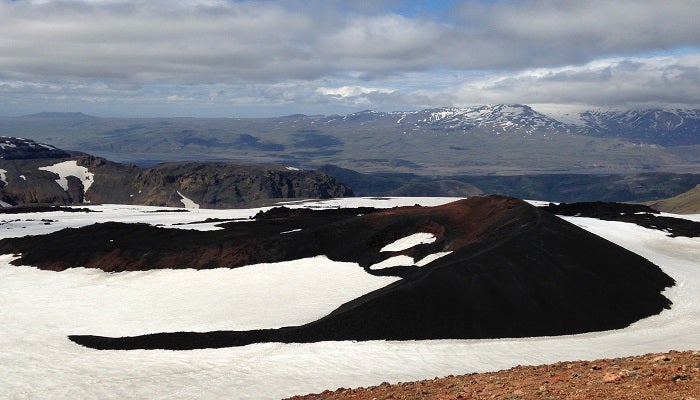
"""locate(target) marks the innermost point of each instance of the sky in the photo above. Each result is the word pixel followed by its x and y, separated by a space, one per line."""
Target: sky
pixel 224 58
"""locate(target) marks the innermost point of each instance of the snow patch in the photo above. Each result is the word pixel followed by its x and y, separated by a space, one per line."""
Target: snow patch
pixel 410 241
pixel 407 261
pixel 3 176
pixel 187 202
pixel 292 168
pixel 396 261
pixel 71 168
pixel 431 257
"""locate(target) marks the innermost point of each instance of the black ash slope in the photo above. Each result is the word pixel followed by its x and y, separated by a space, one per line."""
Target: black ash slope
pixel 514 271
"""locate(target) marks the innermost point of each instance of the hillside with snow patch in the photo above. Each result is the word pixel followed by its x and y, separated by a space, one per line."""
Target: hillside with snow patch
pixel 38 361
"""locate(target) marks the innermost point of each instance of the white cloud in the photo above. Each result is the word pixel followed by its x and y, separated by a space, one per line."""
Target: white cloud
pixel 625 82
pixel 316 54
pixel 350 91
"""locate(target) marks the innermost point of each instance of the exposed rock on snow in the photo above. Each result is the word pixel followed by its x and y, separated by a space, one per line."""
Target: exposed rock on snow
pixel 513 271
pixel 46 306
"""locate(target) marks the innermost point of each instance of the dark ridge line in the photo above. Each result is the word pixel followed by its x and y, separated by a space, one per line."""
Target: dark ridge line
pixel 639 214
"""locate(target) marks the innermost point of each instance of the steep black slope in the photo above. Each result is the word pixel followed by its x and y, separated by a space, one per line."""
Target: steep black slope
pixel 514 271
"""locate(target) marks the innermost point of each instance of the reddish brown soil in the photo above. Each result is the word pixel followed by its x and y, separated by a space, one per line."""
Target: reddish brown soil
pixel 671 376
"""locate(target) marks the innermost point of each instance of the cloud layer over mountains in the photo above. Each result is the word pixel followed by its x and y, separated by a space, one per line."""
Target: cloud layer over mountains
pixel 217 57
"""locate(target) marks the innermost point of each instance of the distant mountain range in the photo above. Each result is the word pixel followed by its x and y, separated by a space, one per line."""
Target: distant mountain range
pixel 483 140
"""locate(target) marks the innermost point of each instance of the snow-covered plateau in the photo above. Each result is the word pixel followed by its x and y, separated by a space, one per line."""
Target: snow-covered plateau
pixel 41 308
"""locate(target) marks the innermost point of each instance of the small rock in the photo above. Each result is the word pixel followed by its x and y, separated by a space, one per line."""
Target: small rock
pixel 611 377
pixel 680 377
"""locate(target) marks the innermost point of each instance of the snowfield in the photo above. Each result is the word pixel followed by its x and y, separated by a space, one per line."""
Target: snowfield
pixel 40 308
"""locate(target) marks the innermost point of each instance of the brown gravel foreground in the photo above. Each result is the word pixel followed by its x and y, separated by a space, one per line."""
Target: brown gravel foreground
pixel 669 376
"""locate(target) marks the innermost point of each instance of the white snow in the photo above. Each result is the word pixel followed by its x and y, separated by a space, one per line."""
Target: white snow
pixel 410 241
pixel 23 177
pixel 292 169
pixel 407 261
pixel 3 176
pixel 396 261
pixel 187 202
pixel 40 308
pixel 431 257
pixel 71 168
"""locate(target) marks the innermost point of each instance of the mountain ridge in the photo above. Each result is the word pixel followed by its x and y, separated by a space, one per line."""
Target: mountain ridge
pixel 36 173
pixel 500 139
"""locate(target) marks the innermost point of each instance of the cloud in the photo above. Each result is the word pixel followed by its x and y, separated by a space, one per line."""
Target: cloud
pixel 550 32
pixel 313 54
pixel 615 82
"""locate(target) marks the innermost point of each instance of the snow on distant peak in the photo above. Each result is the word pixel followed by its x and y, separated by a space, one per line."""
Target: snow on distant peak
pixel 70 168
pixel 498 118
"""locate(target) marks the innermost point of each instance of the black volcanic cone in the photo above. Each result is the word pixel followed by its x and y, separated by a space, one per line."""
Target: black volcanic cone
pixel 514 271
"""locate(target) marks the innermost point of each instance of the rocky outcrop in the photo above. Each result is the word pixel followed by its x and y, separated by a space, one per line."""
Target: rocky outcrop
pixel 35 173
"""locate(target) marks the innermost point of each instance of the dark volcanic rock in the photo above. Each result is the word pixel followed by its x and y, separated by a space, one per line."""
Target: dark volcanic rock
pixel 639 214
pixel 12 148
pixel 25 180
pixel 514 271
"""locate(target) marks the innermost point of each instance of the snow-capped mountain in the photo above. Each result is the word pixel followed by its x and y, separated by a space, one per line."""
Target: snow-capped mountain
pixel 499 118
pixel 665 127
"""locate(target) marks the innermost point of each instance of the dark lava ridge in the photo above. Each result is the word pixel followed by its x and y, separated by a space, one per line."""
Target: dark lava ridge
pixel 638 214
pixel 514 271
